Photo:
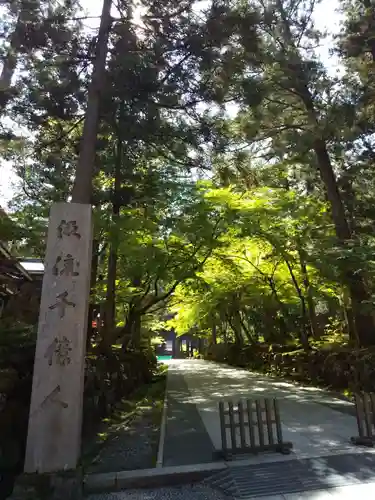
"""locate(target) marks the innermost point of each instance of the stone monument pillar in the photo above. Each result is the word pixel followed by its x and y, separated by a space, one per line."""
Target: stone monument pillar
pixel 54 433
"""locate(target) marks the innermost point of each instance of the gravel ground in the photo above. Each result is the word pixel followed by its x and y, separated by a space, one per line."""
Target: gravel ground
pixel 132 443
pixel 132 447
pixel 194 492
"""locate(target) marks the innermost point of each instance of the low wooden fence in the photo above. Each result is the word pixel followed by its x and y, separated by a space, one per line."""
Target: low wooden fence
pixel 365 413
pixel 251 427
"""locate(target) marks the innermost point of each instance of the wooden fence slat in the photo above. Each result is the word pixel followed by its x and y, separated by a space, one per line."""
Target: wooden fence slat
pixel 269 421
pixel 232 426
pixel 259 422
pixel 242 424
pixel 249 405
pixel 279 431
pixel 249 425
pixel 222 427
pixel 367 414
pixel 359 414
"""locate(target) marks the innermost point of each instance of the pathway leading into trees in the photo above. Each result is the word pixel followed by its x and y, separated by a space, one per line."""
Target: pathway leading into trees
pixel 319 425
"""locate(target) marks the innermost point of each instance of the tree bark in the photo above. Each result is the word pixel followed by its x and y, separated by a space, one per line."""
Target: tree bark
pixel 304 337
pixel 200 345
pixel 236 331
pixel 136 331
pixel 213 332
pixel 283 319
pixel 94 265
pixel 131 331
pixel 246 330
pixel 94 272
pixel 349 317
pixel 309 297
pixel 225 333
pixel 82 188
pixel 355 280
pixel 134 318
pixel 110 314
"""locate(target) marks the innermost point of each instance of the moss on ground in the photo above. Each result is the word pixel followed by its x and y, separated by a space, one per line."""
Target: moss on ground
pixel 136 418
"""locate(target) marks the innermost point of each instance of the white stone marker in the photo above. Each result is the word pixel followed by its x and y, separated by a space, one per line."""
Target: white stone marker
pixel 54 433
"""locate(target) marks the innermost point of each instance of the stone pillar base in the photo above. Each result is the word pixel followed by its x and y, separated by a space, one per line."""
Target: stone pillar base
pixel 57 486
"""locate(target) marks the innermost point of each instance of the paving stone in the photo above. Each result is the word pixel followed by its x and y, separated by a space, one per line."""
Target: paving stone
pixel 186 438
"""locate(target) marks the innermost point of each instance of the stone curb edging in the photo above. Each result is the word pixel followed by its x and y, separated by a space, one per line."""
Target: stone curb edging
pixel 150 478
pixel 163 426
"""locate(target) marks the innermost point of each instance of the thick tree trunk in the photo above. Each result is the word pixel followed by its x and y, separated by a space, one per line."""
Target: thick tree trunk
pixel 200 345
pixel 355 280
pixel 94 272
pixel 225 333
pixel 135 314
pixel 303 336
pixel 246 330
pixel 309 297
pixel 132 328
pixel 82 188
pixel 283 319
pixel 110 315
pixel 136 331
pixel 236 330
pixel 110 302
pixel 94 265
pixel 348 316
pixel 214 333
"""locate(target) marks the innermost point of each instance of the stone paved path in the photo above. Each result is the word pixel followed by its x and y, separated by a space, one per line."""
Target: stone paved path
pixel 316 422
pixel 186 438
pixel 323 465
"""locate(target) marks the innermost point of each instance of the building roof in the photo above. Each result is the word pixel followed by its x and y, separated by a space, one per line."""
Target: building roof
pixel 33 266
pixel 11 272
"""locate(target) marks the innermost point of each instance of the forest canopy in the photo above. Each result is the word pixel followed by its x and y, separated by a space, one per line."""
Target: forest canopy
pixel 233 184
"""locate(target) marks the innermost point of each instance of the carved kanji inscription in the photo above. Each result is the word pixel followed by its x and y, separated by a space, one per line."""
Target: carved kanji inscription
pixel 68 228
pixel 62 303
pixel 66 266
pixel 59 350
pixel 54 398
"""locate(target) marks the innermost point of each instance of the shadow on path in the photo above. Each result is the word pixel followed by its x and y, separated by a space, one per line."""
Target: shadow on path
pixel 186 439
